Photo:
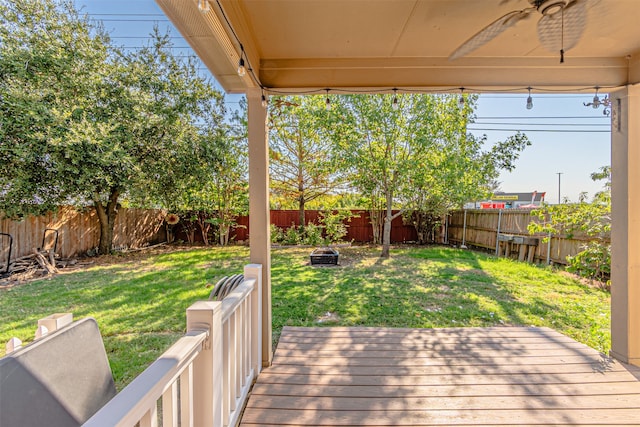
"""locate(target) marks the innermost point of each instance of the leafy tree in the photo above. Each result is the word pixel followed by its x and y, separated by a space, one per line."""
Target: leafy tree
pixel 84 123
pixel 592 219
pixel 48 61
pixel 416 156
pixel 215 193
pixel 230 179
pixel 302 168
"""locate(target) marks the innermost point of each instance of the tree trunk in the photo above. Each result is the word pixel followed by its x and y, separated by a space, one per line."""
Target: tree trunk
pixel 204 227
pixel 301 218
pixel 223 232
pixel 376 221
pixel 386 230
pixel 204 231
pixel 107 217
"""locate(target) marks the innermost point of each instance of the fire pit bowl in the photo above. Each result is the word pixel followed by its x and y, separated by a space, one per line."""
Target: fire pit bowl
pixel 324 256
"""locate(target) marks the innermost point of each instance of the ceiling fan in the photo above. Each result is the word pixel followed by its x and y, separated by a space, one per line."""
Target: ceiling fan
pixel 559 28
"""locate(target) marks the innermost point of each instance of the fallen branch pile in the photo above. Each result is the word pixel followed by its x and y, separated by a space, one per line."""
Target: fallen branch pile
pixel 37 264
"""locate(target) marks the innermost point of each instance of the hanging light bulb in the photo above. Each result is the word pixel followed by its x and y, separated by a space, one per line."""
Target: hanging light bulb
pixel 242 71
pixel 395 99
pixel 529 101
pixel 596 100
pixel 461 99
pixel 264 101
pixel 203 6
pixel 327 103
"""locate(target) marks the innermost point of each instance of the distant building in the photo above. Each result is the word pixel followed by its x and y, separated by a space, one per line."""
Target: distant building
pixel 502 200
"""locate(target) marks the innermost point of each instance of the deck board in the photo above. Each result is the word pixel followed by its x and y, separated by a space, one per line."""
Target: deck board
pixel 441 377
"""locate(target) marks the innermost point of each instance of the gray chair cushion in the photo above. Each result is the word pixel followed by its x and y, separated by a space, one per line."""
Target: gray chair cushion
pixel 58 381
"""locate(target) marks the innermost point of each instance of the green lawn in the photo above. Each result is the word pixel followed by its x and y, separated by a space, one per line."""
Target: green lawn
pixel 140 303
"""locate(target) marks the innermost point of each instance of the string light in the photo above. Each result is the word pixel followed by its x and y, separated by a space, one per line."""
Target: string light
pixel 596 100
pixel 395 99
pixel 242 71
pixel 265 103
pixel 596 103
pixel 203 6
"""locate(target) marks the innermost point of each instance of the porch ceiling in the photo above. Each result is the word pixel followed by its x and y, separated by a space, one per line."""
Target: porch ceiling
pixel 361 44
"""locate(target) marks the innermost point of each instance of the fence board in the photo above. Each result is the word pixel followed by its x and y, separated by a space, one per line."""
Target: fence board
pixel 358 228
pixel 481 230
pixel 79 231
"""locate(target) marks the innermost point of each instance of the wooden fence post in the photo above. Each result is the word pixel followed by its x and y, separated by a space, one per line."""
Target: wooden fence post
pixel 464 231
pixel 207 367
pixel 498 233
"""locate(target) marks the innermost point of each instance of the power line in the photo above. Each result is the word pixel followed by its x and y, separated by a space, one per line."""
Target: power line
pixel 540 117
pixel 143 37
pixel 542 124
pixel 134 20
pixel 126 14
pixel 538 95
pixel 540 130
pixel 147 47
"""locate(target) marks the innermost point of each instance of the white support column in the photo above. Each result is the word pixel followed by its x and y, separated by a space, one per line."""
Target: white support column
pixel 254 271
pixel 259 216
pixel 207 368
pixel 625 229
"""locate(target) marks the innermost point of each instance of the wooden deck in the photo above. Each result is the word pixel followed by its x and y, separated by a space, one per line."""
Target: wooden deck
pixel 445 377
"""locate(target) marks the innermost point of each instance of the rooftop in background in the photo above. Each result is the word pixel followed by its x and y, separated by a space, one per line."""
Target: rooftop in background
pixel 501 200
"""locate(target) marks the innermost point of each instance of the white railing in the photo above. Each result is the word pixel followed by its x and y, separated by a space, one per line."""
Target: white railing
pixel 205 377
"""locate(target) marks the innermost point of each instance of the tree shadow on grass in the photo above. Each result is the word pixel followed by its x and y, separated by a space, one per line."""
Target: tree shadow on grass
pixel 433 287
pixel 436 288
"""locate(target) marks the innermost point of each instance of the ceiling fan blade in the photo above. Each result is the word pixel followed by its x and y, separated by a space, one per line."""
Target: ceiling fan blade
pixel 555 35
pixel 489 32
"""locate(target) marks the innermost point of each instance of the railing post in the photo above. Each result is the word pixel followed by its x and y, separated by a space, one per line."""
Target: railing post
pixel 207 367
pixel 254 271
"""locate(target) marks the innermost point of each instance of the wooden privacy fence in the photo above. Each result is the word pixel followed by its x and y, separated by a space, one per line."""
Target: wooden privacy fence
pixel 358 228
pixel 79 231
pixel 479 228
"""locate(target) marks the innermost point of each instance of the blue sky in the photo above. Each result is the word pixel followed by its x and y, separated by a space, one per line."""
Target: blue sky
pixel 566 136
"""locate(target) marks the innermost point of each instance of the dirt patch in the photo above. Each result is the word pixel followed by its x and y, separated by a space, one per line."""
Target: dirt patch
pixel 84 262
pixel 585 281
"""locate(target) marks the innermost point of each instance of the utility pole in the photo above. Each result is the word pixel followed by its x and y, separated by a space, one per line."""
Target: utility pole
pixel 559 198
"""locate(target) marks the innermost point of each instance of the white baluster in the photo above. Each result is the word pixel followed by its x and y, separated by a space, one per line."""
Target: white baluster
pixel 41 331
pixel 12 345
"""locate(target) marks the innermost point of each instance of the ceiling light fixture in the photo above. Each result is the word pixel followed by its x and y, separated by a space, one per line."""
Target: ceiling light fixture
pixel 596 99
pixel 203 6
pixel 597 102
pixel 529 100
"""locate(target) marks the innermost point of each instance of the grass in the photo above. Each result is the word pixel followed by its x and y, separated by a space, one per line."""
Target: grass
pixel 140 302
pixel 433 288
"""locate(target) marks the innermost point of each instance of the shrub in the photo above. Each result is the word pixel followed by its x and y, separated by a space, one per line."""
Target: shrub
pixel 313 234
pixel 277 235
pixel 292 236
pixel 333 222
pixel 592 219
